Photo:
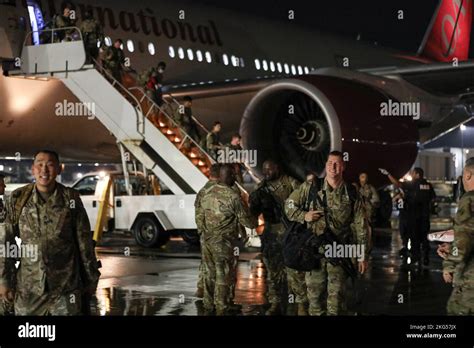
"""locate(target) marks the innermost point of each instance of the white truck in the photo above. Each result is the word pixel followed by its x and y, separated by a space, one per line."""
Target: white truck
pixel 151 218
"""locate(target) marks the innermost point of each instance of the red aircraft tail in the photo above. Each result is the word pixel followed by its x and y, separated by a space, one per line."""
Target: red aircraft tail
pixel 449 32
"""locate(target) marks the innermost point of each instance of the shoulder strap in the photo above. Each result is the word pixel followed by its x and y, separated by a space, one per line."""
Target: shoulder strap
pixel 353 195
pixel 20 202
pixel 312 196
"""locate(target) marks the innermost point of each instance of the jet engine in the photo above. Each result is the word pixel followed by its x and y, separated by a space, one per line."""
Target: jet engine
pixel 299 121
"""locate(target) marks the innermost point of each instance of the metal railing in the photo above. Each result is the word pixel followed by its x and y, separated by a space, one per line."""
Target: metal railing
pixel 247 167
pixel 122 88
pixel 155 106
pixel 53 31
pixel 206 131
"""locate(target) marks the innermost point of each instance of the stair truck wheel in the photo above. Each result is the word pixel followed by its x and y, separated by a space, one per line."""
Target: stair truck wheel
pixel 149 233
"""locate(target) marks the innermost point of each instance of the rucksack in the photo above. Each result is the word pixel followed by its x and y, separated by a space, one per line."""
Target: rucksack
pixel 143 77
pixel 300 244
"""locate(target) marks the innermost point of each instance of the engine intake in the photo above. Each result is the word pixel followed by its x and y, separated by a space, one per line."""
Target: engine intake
pixel 299 121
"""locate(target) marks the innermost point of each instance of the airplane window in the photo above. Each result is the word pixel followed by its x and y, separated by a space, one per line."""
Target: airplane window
pixel 242 63
pixel 180 53
pixel 108 41
pixel 171 52
pixel 151 48
pixel 279 68
pixel 225 59
pixel 306 70
pixel 208 57
pixel 312 68
pixel 257 64
pixel 235 61
pixel 300 70
pixel 265 65
pixel 293 69
pixel 130 46
pixel 190 54
pixel 199 55
pixel 287 69
pixel 272 66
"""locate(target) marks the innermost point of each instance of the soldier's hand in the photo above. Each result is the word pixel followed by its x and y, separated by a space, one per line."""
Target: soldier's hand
pixel 448 277
pixel 384 171
pixel 6 293
pixel 312 215
pixel 363 266
pixel 443 250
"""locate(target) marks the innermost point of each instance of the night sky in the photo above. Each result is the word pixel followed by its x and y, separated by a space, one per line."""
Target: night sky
pixel 375 21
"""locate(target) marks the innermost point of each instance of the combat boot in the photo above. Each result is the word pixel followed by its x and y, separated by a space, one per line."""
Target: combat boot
pixel 302 311
pixel 274 309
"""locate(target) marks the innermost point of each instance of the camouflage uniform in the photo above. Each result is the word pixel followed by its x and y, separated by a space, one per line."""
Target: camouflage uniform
pixel 2 211
pixel 60 22
pixel 223 211
pixel 6 307
pixel 277 275
pixel 212 144
pixel 371 199
pixel 187 124
pixel 460 260
pixel 113 60
pixel 326 285
pixel 65 263
pixel 91 34
pixel 199 217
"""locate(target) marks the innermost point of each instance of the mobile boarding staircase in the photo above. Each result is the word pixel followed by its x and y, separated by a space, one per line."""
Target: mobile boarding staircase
pixel 145 129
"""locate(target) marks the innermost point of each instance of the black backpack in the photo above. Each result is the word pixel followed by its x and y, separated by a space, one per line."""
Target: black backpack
pixel 300 243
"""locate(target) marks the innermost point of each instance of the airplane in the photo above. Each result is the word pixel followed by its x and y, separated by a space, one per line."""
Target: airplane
pixel 293 94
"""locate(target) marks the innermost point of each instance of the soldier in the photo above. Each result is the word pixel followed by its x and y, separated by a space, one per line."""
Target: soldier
pixel 403 223
pixel 160 71
pixel 113 60
pixel 235 146
pixel 213 141
pixel 184 118
pixel 223 211
pixel 92 34
pixel 199 217
pixel 272 191
pixel 6 305
pixel 458 264
pixel 370 196
pixel 65 20
pixel 419 195
pixel 50 218
pixel 2 192
pixel 346 217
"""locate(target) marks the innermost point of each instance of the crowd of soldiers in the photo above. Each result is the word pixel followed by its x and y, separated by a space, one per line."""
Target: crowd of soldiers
pixel 65 273
pixel 62 28
pixel 322 291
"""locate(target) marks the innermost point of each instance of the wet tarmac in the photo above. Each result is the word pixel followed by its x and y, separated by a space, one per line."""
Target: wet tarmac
pixel 163 281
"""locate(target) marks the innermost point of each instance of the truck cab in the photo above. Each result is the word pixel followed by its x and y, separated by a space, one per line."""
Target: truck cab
pixel 152 213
